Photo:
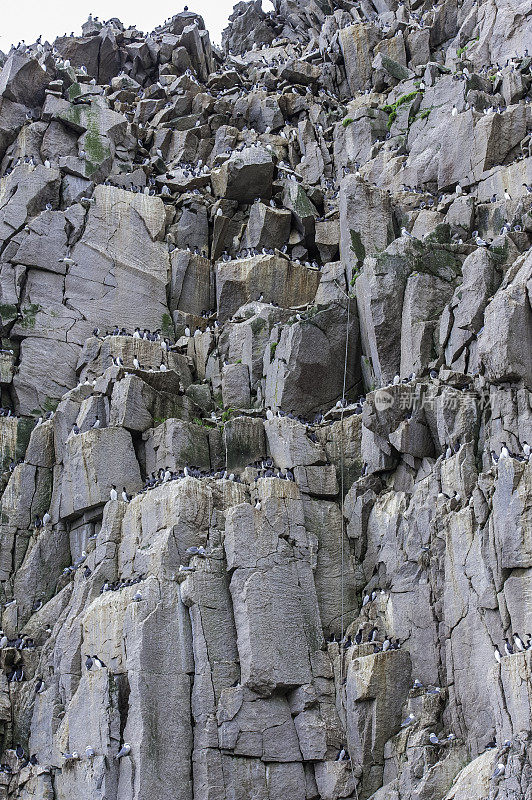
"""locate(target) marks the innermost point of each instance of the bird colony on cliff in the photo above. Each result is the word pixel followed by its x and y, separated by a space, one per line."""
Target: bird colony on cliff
pixel 266 417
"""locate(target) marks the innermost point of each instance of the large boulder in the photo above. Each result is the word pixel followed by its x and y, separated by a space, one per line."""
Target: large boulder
pixel 356 43
pixel 46 242
pixel 248 339
pixel 102 131
pixel 381 297
pixel 267 227
pixel 29 191
pixel 289 444
pixel 12 118
pixel 191 288
pixel 23 80
pixel 93 462
pixel 121 267
pixel 99 54
pixel 305 371
pixel 505 343
pixel 276 278
pixel 464 316
pixel 175 444
pixel 366 224
pixel 377 687
pixel 248 24
pixel 244 176
pixel 273 594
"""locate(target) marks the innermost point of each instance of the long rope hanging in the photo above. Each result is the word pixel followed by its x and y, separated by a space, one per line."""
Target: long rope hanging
pixel 342 459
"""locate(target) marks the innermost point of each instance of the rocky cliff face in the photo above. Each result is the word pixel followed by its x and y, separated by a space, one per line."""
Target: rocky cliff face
pixel 266 372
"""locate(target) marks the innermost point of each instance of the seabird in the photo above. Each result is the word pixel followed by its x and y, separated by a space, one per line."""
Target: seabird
pixel 113 495
pixel 408 721
pixel 124 751
pixel 519 643
pixel 197 551
pixel 497 654
pixel 499 770
pixel 89 752
pixel 434 739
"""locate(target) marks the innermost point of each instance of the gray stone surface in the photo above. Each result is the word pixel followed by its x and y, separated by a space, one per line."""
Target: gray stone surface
pixel 92 463
pixel 279 294
pixel 276 279
pixel 244 177
pixel 306 372
pixel 365 221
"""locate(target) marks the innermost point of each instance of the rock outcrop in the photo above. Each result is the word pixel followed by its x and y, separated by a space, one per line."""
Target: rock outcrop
pixel 266 415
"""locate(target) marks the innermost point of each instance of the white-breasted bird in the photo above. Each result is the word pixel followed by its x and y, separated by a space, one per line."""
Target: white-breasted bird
pixel 124 751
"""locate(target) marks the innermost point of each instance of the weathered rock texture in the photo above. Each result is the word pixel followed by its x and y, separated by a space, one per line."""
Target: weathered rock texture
pixel 266 374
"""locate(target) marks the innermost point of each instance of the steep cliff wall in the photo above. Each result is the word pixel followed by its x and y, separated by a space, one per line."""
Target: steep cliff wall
pixel 266 373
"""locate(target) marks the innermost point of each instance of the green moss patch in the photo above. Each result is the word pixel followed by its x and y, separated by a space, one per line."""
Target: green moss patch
pixel 29 314
pixel 356 246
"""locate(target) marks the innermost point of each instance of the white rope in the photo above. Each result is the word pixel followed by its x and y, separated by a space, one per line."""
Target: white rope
pixel 342 458
pixel 342 483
